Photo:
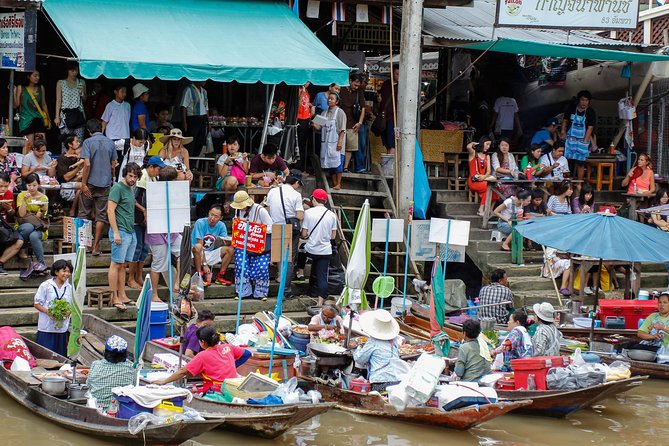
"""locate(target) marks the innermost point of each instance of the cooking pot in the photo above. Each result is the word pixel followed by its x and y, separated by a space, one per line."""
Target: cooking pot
pixel 54 385
pixel 77 391
pixel 641 355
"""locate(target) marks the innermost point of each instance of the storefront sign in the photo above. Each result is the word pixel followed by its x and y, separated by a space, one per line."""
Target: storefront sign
pixel 571 14
pixel 257 236
pixel 17 40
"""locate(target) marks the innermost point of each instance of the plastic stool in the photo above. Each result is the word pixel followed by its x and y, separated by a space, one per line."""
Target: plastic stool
pixel 600 181
pixel 496 236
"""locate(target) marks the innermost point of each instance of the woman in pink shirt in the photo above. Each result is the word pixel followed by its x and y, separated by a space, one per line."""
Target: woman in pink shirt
pixel 641 179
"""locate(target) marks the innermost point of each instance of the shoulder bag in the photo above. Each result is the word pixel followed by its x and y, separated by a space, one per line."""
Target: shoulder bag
pixel 292 220
pixel 45 118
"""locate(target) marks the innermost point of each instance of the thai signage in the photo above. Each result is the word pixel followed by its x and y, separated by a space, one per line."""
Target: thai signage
pixel 17 40
pixel 571 14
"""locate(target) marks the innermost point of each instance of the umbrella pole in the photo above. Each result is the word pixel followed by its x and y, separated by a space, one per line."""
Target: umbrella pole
pixel 170 285
pixel 448 239
pixel 385 261
pixel 279 301
pixel 550 270
pixel 406 260
pixel 351 313
pixel 241 278
pixel 592 321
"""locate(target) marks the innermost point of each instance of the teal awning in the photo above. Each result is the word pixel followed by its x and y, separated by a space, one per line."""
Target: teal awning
pixel 558 50
pixel 245 41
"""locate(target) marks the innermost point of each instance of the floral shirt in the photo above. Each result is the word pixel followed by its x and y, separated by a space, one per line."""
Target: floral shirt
pixel 9 166
pixel 519 347
pixel 377 354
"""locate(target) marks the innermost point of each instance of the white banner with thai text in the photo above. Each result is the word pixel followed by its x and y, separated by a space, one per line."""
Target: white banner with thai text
pixel 571 14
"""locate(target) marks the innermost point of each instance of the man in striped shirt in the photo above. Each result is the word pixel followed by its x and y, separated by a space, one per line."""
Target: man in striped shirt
pixel 497 292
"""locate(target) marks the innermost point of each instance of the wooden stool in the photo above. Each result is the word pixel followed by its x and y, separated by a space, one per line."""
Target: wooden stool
pixel 59 246
pixel 203 179
pixel 101 296
pixel 473 196
pixel 599 181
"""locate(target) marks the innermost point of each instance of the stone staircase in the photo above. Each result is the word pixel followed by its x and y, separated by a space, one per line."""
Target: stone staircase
pixel 525 281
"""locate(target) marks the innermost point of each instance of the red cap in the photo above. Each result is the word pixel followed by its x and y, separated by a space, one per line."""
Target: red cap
pixel 320 194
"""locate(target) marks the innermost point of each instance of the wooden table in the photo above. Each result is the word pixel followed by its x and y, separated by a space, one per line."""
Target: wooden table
pixel 584 264
pixel 258 192
pixel 634 200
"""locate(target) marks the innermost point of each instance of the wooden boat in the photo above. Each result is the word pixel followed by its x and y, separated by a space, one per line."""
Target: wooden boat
pixel 377 406
pixel 560 403
pixel 266 421
pixel 420 328
pixel 26 390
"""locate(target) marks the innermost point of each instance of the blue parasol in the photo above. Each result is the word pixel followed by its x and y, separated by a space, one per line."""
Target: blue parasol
pixel 143 324
pixel 601 235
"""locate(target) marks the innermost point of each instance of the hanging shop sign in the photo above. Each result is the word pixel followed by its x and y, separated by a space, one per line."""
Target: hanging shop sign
pixel 17 40
pixel 568 14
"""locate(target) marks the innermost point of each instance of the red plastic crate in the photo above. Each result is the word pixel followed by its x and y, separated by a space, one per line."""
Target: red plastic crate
pixel 537 366
pixel 162 343
pixel 631 310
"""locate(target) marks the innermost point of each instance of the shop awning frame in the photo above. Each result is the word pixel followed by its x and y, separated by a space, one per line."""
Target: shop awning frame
pixel 247 41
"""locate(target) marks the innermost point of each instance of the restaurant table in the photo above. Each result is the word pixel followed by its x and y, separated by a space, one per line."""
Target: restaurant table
pixel 634 200
pixel 584 264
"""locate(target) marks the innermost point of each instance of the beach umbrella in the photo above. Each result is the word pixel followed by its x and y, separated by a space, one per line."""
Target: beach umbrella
pixel 659 210
pixel 143 323
pixel 600 235
pixel 78 281
pixel 357 268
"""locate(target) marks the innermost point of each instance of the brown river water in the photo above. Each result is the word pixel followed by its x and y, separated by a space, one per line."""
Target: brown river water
pixel 639 417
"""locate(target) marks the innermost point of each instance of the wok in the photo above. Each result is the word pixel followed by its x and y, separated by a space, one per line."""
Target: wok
pixel 319 349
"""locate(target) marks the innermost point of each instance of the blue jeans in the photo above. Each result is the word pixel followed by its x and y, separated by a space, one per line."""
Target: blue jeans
pixel 123 253
pixel 361 154
pixel 141 249
pixel 29 233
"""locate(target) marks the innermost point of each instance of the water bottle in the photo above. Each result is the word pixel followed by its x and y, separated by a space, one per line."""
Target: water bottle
pixel 113 408
pixel 531 384
pixel 635 187
pixel 528 172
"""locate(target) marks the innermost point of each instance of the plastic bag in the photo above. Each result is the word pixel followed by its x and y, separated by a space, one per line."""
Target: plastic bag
pixel 663 355
pixel 287 391
pixel 561 378
pixel 618 370
pixel 138 422
pixel 197 287
pixel 589 374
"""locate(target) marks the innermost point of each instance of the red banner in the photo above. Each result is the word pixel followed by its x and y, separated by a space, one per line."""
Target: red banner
pixel 257 236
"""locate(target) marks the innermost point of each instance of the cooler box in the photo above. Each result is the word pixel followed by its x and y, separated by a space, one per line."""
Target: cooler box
pixel 127 407
pixel 631 310
pixel 537 366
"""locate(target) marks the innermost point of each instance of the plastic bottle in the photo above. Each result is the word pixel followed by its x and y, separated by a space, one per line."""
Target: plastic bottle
pixel 113 408
pixel 528 172
pixel 531 384
pixel 635 187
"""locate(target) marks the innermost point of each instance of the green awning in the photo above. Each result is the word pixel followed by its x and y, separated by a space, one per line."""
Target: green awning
pixel 245 41
pixel 557 50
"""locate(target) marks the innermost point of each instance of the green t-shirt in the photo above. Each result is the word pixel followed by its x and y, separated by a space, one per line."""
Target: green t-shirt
pixel 534 164
pixel 470 365
pixel 124 198
pixel 653 319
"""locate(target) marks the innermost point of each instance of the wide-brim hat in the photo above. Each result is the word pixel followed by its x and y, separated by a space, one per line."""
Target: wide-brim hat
pixel 176 133
pixel 138 90
pixel 241 200
pixel 544 311
pixel 379 324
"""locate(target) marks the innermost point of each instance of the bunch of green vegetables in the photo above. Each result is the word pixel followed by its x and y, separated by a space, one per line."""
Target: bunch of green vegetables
pixel 59 311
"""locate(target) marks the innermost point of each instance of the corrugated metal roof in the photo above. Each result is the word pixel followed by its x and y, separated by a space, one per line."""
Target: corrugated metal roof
pixel 475 24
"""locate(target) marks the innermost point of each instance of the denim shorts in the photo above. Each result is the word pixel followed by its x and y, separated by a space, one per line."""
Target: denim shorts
pixel 504 227
pixel 123 253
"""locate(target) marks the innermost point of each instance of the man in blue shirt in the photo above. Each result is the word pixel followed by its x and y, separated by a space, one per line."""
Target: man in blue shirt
pixel 547 136
pixel 99 155
pixel 140 114
pixel 205 253
pixel 321 100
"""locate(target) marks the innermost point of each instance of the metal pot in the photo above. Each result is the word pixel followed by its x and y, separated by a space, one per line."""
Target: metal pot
pixel 319 349
pixel 77 391
pixel 54 385
pixel 641 355
pixel 574 306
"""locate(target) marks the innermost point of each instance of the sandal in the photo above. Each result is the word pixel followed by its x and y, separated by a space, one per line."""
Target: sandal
pixel 565 292
pixel 96 253
pixel 120 307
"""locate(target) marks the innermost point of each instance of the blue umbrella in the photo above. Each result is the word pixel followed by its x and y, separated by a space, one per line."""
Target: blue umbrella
pixel 601 235
pixel 143 324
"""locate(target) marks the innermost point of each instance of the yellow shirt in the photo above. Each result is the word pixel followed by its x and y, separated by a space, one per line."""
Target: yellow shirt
pixel 33 208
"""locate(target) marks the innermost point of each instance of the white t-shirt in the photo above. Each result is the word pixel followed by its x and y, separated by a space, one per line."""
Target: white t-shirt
pixel 292 200
pixel 318 242
pixel 117 116
pixel 195 101
pixel 509 207
pixel 47 292
pixel 558 172
pixel 506 109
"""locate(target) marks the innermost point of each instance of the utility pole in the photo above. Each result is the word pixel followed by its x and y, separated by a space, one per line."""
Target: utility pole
pixel 407 97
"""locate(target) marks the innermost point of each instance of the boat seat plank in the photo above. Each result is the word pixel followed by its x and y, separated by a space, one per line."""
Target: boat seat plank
pixel 27 377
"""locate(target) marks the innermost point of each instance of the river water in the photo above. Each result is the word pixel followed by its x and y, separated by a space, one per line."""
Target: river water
pixel 639 417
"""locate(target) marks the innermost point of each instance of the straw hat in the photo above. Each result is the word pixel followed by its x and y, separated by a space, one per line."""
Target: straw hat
pixel 176 133
pixel 139 89
pixel 379 324
pixel 544 311
pixel 241 200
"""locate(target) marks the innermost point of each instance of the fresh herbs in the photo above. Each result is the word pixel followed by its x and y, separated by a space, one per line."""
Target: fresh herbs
pixel 59 311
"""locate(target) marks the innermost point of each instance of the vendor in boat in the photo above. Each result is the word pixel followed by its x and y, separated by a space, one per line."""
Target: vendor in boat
pixel 114 370
pixel 191 343
pixel 215 363
pixel 52 300
pixel 518 343
pixel 546 339
pixel 327 319
pixel 655 329
pixel 381 347
pixel 471 365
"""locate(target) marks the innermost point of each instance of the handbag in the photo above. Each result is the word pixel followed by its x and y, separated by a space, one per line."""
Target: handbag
pixel 38 223
pixel 8 235
pixel 45 118
pixel 292 220
pixel 356 110
pixel 74 118
pixel 379 124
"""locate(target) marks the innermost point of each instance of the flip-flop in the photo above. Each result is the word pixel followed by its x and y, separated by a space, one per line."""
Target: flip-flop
pixel 96 253
pixel 502 248
pixel 129 303
pixel 120 307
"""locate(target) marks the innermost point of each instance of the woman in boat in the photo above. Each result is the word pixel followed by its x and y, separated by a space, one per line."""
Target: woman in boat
pixel 215 363
pixel 655 329
pixel 518 343
pixel 191 343
pixel 381 348
pixel 327 319
pixel 546 340
pixel 114 370
pixel 53 323
pixel 471 365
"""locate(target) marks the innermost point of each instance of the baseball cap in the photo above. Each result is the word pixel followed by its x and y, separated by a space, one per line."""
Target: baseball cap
pixel 156 160
pixel 320 194
pixel 295 174
pixel 552 121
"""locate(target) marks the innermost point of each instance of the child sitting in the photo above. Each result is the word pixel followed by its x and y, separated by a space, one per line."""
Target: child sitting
pixel 470 365
pixel 511 208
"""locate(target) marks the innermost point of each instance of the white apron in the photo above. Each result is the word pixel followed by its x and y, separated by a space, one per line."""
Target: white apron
pixel 330 156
